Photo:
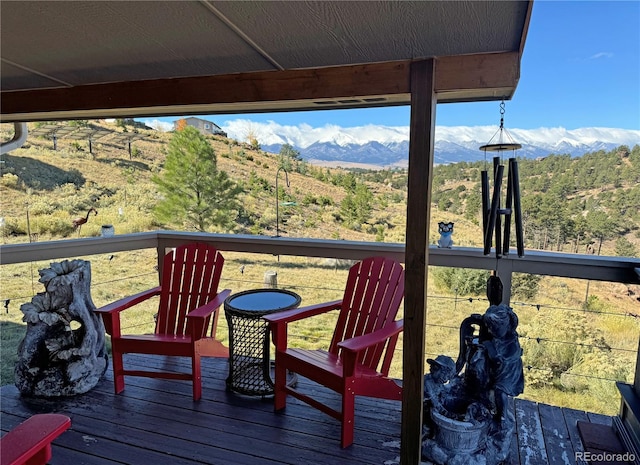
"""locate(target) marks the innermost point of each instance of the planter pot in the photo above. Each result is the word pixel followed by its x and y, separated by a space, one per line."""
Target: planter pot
pixel 461 437
pixel 107 230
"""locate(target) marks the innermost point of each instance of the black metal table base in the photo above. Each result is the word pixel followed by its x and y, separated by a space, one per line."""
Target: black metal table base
pixel 249 342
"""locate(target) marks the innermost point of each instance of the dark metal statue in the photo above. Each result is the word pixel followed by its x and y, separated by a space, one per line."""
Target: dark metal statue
pixel 492 359
pixel 468 416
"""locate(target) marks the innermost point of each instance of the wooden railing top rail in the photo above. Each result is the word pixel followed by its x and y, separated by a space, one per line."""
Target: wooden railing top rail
pixel 594 267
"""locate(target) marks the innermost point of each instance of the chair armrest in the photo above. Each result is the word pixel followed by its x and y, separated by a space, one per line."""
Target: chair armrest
pixel 207 309
pixel 126 302
pixel 30 441
pixel 302 312
pixel 278 322
pixel 111 312
pixel 197 317
pixel 360 343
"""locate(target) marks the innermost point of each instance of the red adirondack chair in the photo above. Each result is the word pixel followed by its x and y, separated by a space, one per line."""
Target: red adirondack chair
pixel 187 316
pixel 29 443
pixel 362 347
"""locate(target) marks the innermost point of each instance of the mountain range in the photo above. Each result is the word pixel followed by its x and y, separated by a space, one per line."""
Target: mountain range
pixel 383 146
pixel 377 146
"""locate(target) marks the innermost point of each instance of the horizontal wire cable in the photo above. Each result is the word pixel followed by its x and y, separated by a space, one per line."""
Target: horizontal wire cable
pixel 537 306
pixel 549 370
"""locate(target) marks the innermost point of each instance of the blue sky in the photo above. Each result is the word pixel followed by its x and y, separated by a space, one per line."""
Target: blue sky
pixel 580 68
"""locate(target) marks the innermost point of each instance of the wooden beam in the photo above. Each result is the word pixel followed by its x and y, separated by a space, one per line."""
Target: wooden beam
pixel 241 90
pixel 460 78
pixel 421 142
pixel 476 75
pixel 525 29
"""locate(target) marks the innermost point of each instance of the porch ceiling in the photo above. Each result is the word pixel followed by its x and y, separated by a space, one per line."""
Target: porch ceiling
pixel 90 59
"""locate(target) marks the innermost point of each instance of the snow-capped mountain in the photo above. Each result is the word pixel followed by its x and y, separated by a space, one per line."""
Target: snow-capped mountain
pixel 389 145
pixel 385 146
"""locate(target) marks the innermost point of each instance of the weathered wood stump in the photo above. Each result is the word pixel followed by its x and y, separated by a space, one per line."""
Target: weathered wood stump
pixel 63 352
pixel 271 279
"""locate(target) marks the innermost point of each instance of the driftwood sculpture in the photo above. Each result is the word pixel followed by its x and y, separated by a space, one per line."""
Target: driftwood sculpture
pixel 63 352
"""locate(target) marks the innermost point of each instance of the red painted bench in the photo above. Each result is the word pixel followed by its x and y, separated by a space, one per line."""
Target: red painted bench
pixel 29 443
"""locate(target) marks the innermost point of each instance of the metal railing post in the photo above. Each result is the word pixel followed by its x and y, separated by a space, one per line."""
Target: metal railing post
pixel 504 270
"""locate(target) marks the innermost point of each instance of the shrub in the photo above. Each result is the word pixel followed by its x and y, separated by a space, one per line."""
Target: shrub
pixel 525 286
pixel 11 181
pixel 41 206
pixel 309 199
pixel 562 344
pixel 11 227
pixel 325 201
pixel 56 224
pixel 625 248
pixel 462 281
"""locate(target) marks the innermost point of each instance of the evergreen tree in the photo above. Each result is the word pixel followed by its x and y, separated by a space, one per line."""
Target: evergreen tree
pixel 356 207
pixel 625 248
pixel 288 151
pixel 196 195
pixel 289 158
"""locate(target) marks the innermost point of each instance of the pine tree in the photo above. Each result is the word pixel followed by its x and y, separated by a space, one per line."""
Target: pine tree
pixel 196 195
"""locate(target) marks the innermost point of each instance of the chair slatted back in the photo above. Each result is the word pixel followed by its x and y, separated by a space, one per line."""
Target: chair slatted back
pixel 372 298
pixel 190 277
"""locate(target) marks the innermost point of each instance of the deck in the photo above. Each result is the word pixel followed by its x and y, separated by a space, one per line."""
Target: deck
pixel 156 422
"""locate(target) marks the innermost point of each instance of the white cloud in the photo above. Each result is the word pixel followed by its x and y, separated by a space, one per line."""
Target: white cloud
pixel 304 135
pixel 158 125
pixel 601 55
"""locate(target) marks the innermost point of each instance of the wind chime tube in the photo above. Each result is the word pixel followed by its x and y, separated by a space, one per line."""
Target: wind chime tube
pixel 493 215
pixel 484 182
pixel 498 168
pixel 516 207
pixel 508 209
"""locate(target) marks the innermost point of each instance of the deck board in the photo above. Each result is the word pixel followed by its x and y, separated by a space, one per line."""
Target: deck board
pixel 156 421
pixel 556 436
pixel 531 442
pixel 572 417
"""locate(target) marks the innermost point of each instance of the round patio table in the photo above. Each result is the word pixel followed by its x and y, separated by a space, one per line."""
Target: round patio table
pixel 249 344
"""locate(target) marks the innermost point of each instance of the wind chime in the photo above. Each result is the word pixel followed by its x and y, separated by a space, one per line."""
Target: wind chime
pixel 493 213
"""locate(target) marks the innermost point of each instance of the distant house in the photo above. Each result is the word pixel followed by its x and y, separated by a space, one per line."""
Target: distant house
pixel 202 125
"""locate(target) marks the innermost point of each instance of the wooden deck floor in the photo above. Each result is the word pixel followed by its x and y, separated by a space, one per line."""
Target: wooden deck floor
pixel 156 422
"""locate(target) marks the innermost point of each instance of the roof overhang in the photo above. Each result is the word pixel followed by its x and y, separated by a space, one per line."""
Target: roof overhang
pixel 85 60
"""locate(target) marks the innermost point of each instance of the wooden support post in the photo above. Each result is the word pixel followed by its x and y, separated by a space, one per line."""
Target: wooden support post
pixel 421 140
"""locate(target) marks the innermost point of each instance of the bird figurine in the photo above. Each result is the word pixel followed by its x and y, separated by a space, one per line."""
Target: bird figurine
pixel 78 222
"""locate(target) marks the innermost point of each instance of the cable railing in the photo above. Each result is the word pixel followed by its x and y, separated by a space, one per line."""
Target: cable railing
pixel 300 267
